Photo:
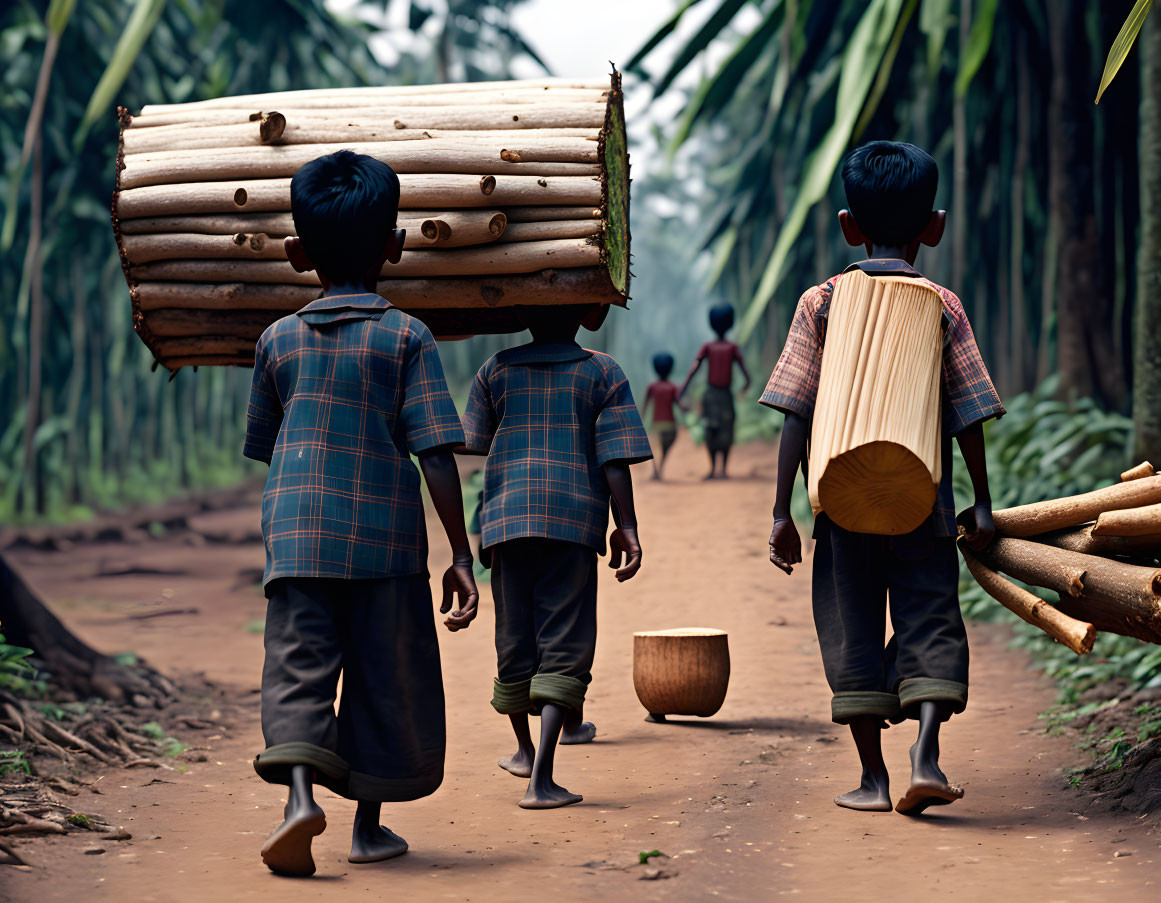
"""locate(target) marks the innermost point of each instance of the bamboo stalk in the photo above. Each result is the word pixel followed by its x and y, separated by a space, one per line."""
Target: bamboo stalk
pixel 1077 635
pixel 461 228
pixel 193 134
pixel 417 192
pixel 435 156
pixel 522 257
pixel 544 214
pixel 1144 469
pixel 1142 521
pixel 1117 597
pixel 1055 514
pixel 582 285
pixel 566 228
pixel 282 224
pixel 476 116
pixel 1083 540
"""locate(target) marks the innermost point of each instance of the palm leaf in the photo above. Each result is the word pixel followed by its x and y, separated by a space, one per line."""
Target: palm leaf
pixel 712 29
pixel 979 42
pixel 137 30
pixel 879 88
pixel 1123 43
pixel 658 36
pixel 934 21
pixel 860 62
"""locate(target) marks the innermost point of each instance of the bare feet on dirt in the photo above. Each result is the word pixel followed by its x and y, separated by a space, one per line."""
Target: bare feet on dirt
pixel 287 850
pixel 518 764
pixel 375 845
pixel 549 796
pixel 929 786
pixel 873 795
pixel 579 732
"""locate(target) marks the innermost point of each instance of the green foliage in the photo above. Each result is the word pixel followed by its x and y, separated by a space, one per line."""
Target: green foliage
pixel 16 673
pixel 978 44
pixel 644 856
pixel 13 761
pixel 153 730
pixel 1123 43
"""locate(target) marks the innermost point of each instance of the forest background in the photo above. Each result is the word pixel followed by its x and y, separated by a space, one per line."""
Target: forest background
pixel 741 112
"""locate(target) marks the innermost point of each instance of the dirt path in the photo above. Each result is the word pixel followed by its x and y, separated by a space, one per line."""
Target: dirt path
pixel 740 802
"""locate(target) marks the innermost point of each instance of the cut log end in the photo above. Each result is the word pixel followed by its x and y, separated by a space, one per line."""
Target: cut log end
pixel 271 126
pixel 1144 469
pixel 497 224
pixel 240 197
pixel 488 184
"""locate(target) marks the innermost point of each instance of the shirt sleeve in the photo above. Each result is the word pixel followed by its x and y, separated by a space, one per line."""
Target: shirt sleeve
pixel 793 386
pixel 620 432
pixel 264 412
pixel 480 415
pixel 968 392
pixel 429 417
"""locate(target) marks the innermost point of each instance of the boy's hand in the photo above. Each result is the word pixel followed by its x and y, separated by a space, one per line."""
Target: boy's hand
pixel 624 541
pixel 459 579
pixel 978 528
pixel 785 546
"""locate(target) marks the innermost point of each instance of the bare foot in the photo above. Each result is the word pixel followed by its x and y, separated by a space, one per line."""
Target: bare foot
pixel 376 845
pixel 287 850
pixel 865 799
pixel 519 764
pixel 576 734
pixel 551 796
pixel 929 785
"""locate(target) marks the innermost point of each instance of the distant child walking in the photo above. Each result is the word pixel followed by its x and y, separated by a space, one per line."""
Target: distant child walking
pixel 662 395
pixel 345 392
pixel 560 429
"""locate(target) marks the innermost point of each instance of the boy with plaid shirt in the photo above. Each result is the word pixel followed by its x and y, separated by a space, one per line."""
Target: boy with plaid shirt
pixel 345 391
pixel 923 671
pixel 560 429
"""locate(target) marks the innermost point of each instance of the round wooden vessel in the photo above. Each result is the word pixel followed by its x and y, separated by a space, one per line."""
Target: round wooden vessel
pixel 684 671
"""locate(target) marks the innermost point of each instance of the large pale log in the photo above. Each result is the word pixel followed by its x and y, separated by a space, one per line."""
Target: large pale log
pixel 583 285
pixel 1144 469
pixel 566 228
pixel 282 224
pixel 1056 514
pixel 1077 635
pixel 521 257
pixel 416 192
pixel 193 134
pixel 1117 596
pixel 483 116
pixel 436 156
pixel 685 671
pixel 1142 521
pixel 1082 539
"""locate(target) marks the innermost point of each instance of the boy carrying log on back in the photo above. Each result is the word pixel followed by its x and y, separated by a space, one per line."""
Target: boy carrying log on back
pixel 560 429
pixel 345 391
pixel 923 671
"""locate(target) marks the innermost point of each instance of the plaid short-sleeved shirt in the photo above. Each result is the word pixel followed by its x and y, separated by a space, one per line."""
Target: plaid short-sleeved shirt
pixel 968 394
pixel 344 392
pixel 550 417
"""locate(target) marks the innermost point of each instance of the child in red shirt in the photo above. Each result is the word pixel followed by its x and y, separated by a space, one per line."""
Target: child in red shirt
pixel 663 394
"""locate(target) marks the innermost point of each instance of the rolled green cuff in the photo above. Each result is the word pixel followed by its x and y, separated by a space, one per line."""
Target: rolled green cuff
pixel 852 704
pixel 915 690
pixel 273 765
pixel 511 699
pixel 559 690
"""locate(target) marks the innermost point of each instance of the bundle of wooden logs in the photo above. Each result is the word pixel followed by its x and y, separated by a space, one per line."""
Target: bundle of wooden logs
pixel 512 193
pixel 1099 551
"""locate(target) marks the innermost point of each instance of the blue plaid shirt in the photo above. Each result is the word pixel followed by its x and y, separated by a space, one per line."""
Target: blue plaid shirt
pixel 344 392
pixel 550 417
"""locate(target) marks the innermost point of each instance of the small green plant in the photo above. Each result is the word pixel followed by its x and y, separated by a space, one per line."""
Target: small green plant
pixel 153 730
pixel 51 712
pixel 12 761
pixel 128 659
pixel 81 821
pixel 644 857
pixel 173 747
pixel 16 672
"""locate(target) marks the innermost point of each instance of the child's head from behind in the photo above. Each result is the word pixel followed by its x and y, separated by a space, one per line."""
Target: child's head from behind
pixel 345 208
pixel 890 189
pixel 560 322
pixel 663 364
pixel 721 318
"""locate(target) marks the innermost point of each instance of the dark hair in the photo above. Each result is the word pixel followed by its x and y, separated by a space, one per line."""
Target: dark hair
pixel 890 190
pixel 345 205
pixel 721 317
pixel 663 364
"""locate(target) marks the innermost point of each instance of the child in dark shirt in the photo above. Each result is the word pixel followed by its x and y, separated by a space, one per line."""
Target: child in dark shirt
pixel 662 394
pixel 560 429
pixel 717 405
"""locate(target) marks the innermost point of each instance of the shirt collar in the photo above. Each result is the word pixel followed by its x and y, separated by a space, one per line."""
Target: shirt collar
pixel 885 266
pixel 341 308
pixel 543 353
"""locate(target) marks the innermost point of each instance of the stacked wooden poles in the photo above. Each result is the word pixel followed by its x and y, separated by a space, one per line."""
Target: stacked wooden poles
pixel 1106 573
pixel 511 193
pixel 875 451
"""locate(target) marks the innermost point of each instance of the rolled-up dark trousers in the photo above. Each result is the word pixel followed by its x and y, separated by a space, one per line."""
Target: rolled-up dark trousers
pixel 855 574
pixel 387 741
pixel 545 592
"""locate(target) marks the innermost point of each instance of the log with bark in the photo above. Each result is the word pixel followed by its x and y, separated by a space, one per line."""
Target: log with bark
pixel 1142 521
pixel 505 189
pixel 1083 539
pixel 1056 514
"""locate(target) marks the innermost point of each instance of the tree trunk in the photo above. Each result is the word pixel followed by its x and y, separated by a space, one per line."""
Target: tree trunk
pixel 1018 336
pixel 959 235
pixel 1147 351
pixel 75 668
pixel 1084 299
pixel 1056 514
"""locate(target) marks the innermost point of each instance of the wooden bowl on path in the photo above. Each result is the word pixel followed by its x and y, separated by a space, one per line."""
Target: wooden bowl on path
pixel 684 671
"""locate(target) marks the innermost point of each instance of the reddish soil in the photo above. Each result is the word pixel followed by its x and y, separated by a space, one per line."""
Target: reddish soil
pixel 740 802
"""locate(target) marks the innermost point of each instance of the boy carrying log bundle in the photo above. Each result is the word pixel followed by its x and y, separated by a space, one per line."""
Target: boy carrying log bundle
pixel 345 391
pixel 560 429
pixel 923 671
